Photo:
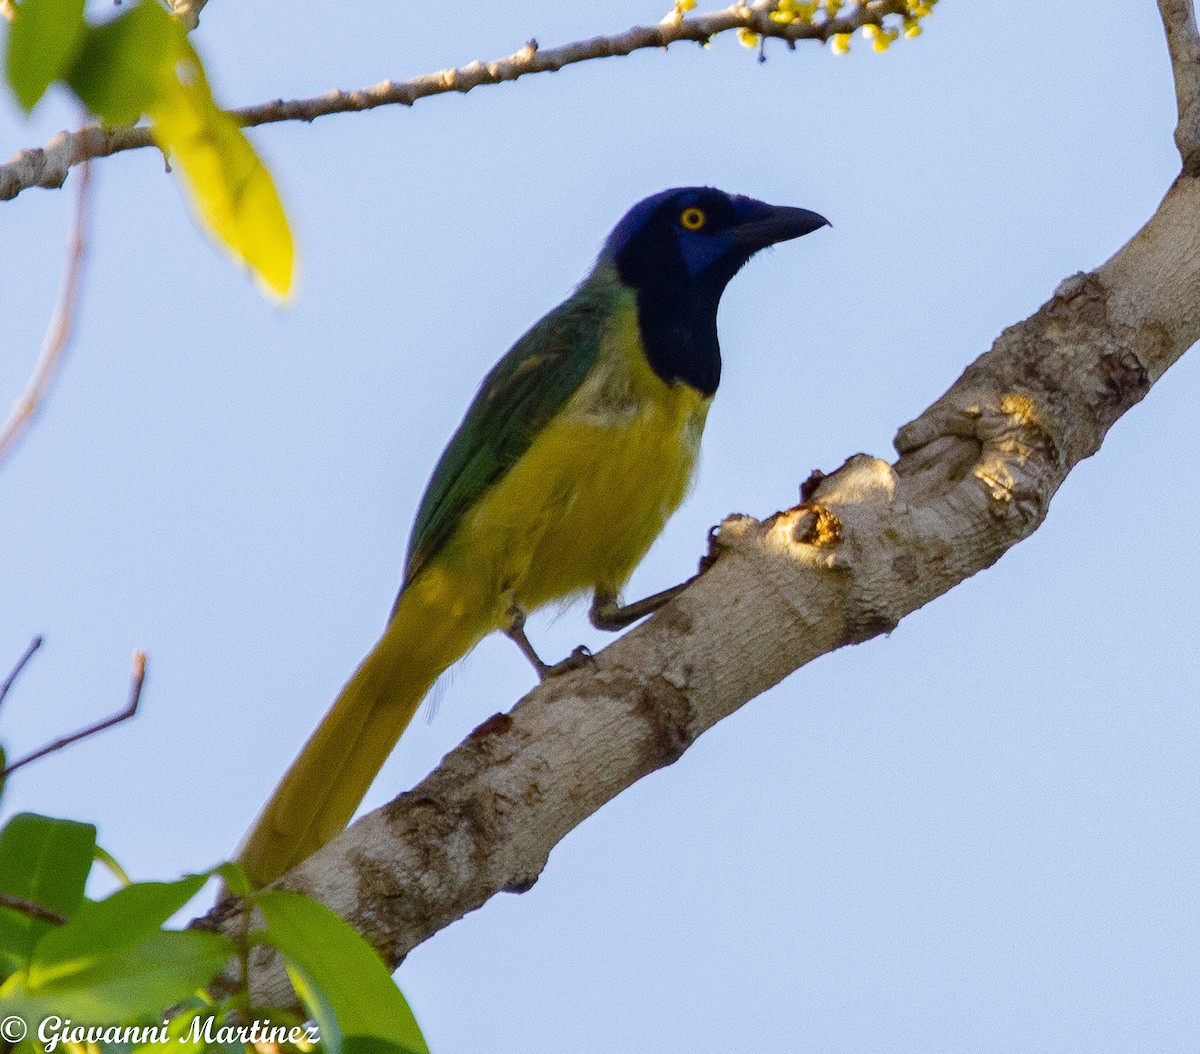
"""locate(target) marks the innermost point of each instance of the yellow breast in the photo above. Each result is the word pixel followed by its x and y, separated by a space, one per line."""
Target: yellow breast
pixel 594 489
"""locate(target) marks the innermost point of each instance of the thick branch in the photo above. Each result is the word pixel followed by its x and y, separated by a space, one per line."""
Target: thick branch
pixel 1183 43
pixel 871 543
pixel 48 167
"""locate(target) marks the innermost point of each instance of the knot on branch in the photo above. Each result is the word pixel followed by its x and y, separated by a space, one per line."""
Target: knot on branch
pixel 816 526
pixel 1080 297
pixel 812 532
pixel 835 529
pixel 1082 324
pixel 864 622
pixel 667 712
pixel 1014 446
pixel 861 479
pixel 1004 440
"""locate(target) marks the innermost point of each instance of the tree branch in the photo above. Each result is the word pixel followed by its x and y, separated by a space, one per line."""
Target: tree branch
pixel 57 334
pixel 1183 44
pixel 48 166
pixel 137 679
pixel 31 908
pixel 868 545
pixel 15 672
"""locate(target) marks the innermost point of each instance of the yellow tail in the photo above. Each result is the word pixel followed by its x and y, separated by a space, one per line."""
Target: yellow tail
pixel 328 780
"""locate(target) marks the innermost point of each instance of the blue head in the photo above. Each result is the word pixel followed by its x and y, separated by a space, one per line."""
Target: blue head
pixel 677 250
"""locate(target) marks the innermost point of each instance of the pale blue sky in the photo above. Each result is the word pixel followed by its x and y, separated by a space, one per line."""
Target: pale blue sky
pixel 979 834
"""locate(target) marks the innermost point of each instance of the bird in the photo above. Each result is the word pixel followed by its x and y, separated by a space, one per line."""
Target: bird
pixel 580 443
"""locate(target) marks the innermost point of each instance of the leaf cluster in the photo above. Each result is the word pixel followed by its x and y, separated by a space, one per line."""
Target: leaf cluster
pixel 69 963
pixel 141 63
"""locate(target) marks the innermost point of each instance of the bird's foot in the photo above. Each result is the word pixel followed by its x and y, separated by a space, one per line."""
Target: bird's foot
pixel 608 613
pixel 515 631
pixel 577 660
pixel 715 548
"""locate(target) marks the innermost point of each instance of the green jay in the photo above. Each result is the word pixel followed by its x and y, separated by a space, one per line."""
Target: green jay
pixel 579 445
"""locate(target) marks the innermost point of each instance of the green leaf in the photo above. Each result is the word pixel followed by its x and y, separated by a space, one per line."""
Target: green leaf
pixel 371 1045
pixel 234 877
pixel 46 861
pixel 45 35
pixel 119 70
pixel 338 976
pixel 102 929
pixel 178 1036
pixel 143 63
pixel 160 971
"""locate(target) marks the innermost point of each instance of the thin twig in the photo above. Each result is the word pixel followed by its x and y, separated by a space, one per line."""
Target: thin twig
pixel 1183 44
pixel 187 11
pixel 59 331
pixel 31 908
pixel 135 694
pixel 48 167
pixel 16 670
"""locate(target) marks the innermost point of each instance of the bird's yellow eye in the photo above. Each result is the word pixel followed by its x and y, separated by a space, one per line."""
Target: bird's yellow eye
pixel 692 219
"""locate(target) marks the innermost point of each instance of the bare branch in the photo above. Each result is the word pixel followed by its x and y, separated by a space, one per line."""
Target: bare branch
pixel 16 670
pixel 48 167
pixel 59 331
pixel 1183 43
pixel 187 11
pixel 135 694
pixel 30 908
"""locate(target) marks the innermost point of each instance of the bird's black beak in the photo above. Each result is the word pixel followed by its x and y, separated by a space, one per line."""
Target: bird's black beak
pixel 760 224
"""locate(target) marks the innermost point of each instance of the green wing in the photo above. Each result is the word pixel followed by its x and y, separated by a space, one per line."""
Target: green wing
pixel 523 392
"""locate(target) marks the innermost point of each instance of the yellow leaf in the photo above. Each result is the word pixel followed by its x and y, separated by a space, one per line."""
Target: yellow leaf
pixel 231 190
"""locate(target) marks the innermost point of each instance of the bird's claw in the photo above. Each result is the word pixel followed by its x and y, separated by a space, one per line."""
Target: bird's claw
pixel 715 548
pixel 580 657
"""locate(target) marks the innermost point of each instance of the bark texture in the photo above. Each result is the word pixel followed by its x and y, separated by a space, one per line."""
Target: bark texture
pixel 868 544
